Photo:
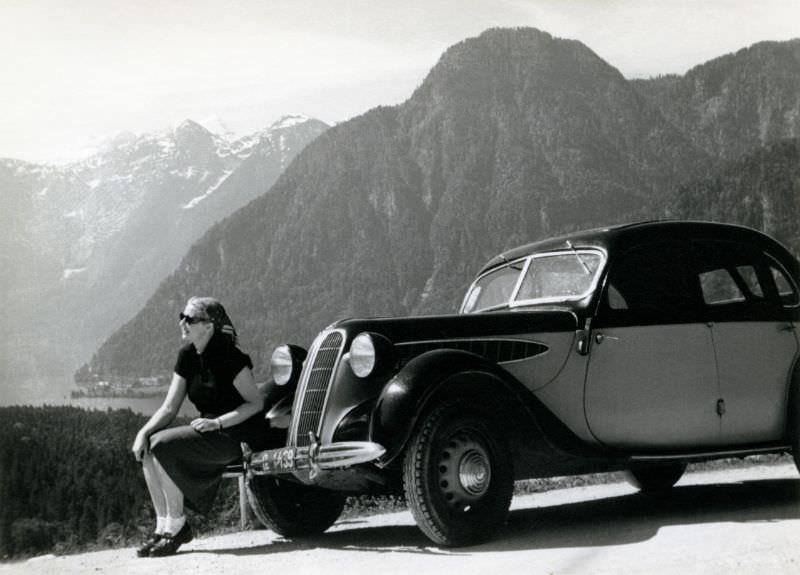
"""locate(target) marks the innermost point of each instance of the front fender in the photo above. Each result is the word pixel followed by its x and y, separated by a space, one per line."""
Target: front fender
pixel 406 394
pixel 279 413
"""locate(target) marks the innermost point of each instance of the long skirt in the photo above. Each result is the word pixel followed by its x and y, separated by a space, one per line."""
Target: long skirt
pixel 195 461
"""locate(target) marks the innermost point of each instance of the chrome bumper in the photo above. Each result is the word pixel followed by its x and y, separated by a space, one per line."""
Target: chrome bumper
pixel 314 457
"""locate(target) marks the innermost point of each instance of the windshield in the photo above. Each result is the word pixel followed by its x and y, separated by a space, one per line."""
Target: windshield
pixel 554 277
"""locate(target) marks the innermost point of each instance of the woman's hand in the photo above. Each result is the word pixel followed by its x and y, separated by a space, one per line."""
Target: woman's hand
pixel 141 445
pixel 202 425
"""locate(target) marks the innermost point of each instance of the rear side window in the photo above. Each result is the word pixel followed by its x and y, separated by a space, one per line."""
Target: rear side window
pixel 719 287
pixel 737 282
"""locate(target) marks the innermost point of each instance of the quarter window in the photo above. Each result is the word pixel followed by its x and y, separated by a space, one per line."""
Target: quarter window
pixel 785 288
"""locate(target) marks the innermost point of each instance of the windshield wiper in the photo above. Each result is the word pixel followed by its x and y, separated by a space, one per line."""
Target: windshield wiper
pixel 580 259
pixel 516 267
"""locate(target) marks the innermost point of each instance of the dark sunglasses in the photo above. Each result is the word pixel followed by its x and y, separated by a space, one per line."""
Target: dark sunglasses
pixel 191 320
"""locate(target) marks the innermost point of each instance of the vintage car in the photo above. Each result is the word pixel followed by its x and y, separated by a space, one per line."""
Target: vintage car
pixel 636 348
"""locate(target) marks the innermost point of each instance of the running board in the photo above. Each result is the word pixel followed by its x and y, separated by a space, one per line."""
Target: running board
pixel 712 454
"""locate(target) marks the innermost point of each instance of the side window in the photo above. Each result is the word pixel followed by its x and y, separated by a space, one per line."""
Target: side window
pixel 786 291
pixel 719 287
pixel 734 280
pixel 650 284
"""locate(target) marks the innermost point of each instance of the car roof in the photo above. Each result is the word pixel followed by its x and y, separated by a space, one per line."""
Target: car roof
pixel 612 238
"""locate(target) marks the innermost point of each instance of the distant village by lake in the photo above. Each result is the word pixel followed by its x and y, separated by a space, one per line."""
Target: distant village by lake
pixel 141 397
pixel 142 387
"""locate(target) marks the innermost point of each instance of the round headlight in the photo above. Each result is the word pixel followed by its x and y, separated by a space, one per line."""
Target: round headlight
pixel 281 365
pixel 370 354
pixel 362 355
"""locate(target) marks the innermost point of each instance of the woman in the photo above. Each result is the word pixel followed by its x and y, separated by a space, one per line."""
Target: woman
pixel 184 464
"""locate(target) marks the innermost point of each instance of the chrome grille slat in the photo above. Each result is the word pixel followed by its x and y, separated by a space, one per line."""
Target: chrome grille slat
pixel 314 387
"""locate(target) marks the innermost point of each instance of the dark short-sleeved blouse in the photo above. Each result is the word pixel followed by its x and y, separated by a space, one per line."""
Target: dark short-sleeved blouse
pixel 209 375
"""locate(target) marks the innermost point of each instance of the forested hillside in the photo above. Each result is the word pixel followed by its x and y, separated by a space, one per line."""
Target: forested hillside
pixel 736 103
pixel 69 481
pixel 761 191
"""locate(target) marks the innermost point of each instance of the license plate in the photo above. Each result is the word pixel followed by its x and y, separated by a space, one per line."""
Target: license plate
pixel 282 459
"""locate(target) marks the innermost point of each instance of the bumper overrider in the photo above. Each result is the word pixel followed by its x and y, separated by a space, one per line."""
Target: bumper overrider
pixel 314 457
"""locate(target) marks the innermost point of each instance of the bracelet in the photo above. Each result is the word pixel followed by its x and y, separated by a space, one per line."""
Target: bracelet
pixel 219 422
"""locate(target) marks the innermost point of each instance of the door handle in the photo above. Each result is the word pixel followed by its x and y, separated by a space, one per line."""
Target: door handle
pixel 601 337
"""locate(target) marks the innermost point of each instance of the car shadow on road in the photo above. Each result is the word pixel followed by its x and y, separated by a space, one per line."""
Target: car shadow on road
pixel 614 520
pixel 637 517
pixel 352 535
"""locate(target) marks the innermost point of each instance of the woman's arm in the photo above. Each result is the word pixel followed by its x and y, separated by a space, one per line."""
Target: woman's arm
pixel 253 403
pixel 163 416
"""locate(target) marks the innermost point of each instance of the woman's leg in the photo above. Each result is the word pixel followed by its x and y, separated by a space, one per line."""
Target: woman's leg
pixel 172 498
pixel 189 465
pixel 177 530
pixel 152 477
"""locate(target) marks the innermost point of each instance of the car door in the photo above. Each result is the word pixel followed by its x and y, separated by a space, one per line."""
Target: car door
pixel 754 337
pixel 651 381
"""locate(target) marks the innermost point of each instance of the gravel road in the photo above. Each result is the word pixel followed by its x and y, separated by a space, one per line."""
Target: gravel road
pixel 739 521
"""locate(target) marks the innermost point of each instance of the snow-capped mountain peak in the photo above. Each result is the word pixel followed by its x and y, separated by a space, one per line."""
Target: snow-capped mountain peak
pixel 217 126
pixel 108 228
pixel 81 206
pixel 289 121
pixel 190 126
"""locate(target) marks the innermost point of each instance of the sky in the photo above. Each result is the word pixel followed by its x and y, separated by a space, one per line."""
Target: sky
pixel 74 73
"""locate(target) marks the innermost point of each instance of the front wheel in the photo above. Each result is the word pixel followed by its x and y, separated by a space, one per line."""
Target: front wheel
pixel 293 509
pixel 458 476
pixel 656 478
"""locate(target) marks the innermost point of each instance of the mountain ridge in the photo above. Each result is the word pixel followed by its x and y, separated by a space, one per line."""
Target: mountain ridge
pixel 91 239
pixel 736 102
pixel 512 136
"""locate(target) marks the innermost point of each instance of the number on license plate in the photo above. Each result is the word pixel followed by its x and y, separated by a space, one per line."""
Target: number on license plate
pixel 282 459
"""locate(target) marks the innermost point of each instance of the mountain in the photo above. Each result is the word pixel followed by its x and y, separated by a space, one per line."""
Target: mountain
pixel 760 190
pixel 734 104
pixel 512 136
pixel 87 242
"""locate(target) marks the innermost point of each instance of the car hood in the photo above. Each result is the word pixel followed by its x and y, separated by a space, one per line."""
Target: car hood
pixel 460 326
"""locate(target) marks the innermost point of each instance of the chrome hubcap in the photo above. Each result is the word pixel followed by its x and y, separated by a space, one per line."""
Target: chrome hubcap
pixel 465 471
pixel 474 473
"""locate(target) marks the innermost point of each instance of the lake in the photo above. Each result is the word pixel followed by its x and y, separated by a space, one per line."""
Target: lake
pixel 56 391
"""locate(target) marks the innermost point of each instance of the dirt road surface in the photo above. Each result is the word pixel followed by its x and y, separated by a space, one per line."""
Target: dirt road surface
pixel 739 521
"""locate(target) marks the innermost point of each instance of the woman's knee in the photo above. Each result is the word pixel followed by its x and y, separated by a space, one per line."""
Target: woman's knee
pixel 169 435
